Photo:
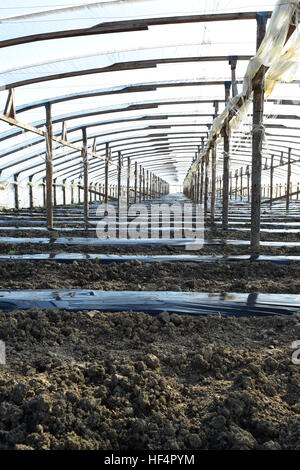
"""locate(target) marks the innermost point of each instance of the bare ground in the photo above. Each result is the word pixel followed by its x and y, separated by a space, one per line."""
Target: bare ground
pixel 133 381
pixel 206 277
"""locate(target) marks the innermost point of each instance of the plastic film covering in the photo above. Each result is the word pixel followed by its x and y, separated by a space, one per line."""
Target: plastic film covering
pixel 153 302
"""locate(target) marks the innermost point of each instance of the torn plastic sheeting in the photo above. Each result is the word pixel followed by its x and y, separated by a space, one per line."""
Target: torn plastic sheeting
pixel 152 302
pixel 280 56
pixel 119 259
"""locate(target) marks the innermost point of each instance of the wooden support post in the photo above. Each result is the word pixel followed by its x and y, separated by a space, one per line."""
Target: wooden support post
pixel 10 108
pixel 202 181
pixel 147 185
pixel 78 193
pixel 144 181
pixel 44 192
pixel 248 182
pixel 151 185
pixel 16 190
pixel 107 158
pixel 85 177
pixel 135 181
pixel 54 192
pixel 233 63
pixel 64 192
pixel 288 184
pixel 128 181
pixel 230 187
pixel 226 167
pixel 30 192
pixel 214 172
pixel 198 185
pixel 72 192
pixel 206 183
pixel 236 183
pixel 241 189
pixel 119 179
pixel 271 180
pixel 257 140
pixel 140 183
pixel 49 167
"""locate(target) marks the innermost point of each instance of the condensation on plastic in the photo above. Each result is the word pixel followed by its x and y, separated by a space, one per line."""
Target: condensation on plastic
pixel 280 56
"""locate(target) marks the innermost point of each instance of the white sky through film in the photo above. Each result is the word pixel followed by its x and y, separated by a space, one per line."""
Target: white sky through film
pixel 58 56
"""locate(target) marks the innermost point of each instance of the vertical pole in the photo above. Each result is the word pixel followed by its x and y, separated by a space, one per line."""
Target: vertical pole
pixel 140 184
pixel 236 183
pixel 72 192
pixel 230 189
pixel 226 167
pixel 106 172
pixel 151 182
pixel 257 140
pixel 44 192
pixel 248 183
pixel 144 181
pixel 64 192
pixel 16 187
pixel 119 179
pixel 202 181
pixel 288 185
pixel 271 180
pixel 30 192
pixel 242 189
pixel 128 181
pixel 135 181
pixel 206 183
pixel 49 167
pixel 198 185
pixel 214 172
pixel 147 186
pixel 54 192
pixel 85 177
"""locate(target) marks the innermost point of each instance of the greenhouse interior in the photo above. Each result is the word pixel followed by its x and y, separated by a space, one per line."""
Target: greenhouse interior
pixel 150 227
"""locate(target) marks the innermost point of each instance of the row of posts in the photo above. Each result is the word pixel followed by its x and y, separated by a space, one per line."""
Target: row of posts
pixel 240 184
pixel 146 184
pixel 200 187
